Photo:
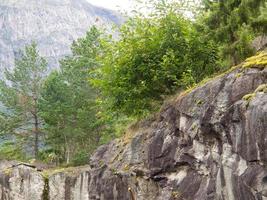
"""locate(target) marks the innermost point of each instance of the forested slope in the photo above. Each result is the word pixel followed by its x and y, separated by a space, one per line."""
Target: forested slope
pixel 172 108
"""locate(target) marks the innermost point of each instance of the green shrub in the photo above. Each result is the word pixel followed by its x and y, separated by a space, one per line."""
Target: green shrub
pixel 80 158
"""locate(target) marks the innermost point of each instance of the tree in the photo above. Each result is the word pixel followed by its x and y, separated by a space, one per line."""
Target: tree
pixel 260 22
pixel 68 103
pixel 20 94
pixel 147 62
pixel 232 24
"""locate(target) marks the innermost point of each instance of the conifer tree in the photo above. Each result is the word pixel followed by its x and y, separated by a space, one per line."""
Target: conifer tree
pixel 68 103
pixel 20 93
pixel 232 24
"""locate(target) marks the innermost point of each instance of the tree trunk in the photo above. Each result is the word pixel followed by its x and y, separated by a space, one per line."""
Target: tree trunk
pixel 36 130
pixel 68 156
pixel 67 150
pixel 36 135
pixel 233 54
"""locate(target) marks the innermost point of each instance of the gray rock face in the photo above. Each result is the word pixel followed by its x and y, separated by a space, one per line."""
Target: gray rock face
pixel 53 24
pixel 73 184
pixel 260 43
pixel 209 144
pixel 21 183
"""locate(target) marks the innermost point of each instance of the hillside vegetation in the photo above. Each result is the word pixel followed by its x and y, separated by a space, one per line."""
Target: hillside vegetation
pixel 109 83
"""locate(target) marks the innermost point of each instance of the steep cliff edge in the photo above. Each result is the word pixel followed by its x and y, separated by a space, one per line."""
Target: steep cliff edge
pixel 210 143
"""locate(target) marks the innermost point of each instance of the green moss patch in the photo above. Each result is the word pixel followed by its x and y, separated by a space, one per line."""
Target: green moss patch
pixel 249 97
pixel 257 61
pixel 71 171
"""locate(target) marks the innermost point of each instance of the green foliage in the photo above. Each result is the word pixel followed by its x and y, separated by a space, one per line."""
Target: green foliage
pixel 260 22
pixel 148 61
pixel 109 81
pixel 202 57
pixel 11 151
pixel 80 158
pixel 233 24
pixel 20 92
pixel 187 79
pixel 68 102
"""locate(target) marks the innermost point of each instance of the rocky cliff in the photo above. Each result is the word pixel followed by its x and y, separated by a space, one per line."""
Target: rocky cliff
pixel 53 24
pixel 210 143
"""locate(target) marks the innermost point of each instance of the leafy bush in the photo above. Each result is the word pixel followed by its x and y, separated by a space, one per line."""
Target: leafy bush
pixel 148 61
pixel 11 151
pixel 233 24
pixel 80 158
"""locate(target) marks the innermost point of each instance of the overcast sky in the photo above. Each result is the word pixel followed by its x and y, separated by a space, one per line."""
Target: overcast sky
pixel 113 4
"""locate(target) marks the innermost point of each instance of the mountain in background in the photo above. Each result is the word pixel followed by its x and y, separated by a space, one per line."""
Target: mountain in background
pixel 53 24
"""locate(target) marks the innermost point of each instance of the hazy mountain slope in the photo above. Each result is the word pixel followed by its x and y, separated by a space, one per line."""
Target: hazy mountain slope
pixel 53 24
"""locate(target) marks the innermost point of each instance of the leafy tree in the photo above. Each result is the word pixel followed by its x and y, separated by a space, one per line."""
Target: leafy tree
pixel 11 150
pixel 140 65
pixel 202 57
pixel 148 61
pixel 68 103
pixel 20 94
pixel 260 22
pixel 232 24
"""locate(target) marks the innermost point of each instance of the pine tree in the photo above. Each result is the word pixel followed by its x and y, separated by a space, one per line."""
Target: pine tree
pixel 20 93
pixel 232 24
pixel 68 103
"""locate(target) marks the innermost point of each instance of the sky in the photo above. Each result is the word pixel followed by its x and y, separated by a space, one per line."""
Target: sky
pixel 113 4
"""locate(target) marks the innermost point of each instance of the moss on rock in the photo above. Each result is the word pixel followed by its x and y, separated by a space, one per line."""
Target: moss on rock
pixel 262 88
pixel 249 97
pixel 70 171
pixel 258 61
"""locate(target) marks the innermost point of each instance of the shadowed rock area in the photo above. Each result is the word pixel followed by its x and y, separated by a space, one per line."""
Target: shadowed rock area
pixel 207 144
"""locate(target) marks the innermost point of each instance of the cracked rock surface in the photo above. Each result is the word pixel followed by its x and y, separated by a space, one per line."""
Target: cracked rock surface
pixel 21 182
pixel 209 144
